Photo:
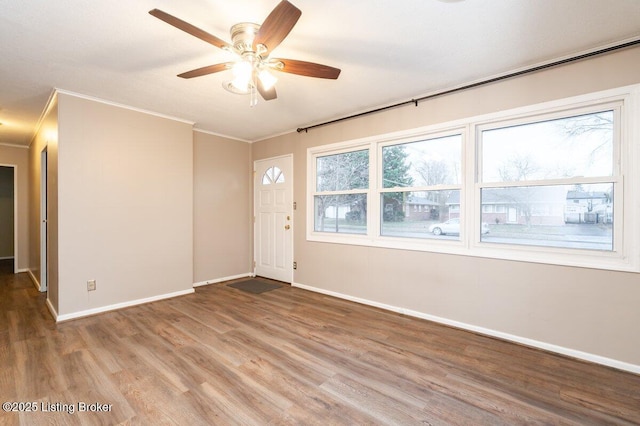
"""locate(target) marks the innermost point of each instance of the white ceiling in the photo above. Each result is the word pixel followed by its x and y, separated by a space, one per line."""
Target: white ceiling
pixel 389 51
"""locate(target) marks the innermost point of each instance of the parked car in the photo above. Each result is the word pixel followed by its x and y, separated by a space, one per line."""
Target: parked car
pixel 452 226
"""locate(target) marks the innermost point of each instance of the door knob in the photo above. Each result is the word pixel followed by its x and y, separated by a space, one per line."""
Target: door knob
pixel 287 227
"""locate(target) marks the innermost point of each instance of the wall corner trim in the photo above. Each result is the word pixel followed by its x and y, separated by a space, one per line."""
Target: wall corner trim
pixel 53 98
pixel 89 312
pixel 585 356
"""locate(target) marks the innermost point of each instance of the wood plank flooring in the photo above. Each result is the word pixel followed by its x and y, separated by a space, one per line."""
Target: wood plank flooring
pixel 285 357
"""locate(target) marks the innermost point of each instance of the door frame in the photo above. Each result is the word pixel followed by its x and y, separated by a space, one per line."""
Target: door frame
pixel 44 234
pixel 255 211
pixel 15 214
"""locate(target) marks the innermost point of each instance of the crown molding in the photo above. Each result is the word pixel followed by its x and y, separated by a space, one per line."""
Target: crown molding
pixel 123 106
pixel 208 132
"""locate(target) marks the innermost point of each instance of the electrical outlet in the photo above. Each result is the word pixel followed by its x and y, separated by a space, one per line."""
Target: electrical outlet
pixel 91 285
pixel 295 265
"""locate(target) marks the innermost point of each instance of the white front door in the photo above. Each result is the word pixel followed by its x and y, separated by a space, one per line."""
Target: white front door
pixel 273 207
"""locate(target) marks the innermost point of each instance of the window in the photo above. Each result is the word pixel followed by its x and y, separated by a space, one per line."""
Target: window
pixel 425 174
pixel 272 175
pixel 540 169
pixel 538 184
pixel 340 200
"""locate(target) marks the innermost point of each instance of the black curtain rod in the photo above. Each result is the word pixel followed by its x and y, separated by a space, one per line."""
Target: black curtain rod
pixel 479 83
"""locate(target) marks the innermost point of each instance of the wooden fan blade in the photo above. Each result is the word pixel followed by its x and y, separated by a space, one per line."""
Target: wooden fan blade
pixel 267 95
pixel 308 69
pixel 277 26
pixel 188 28
pixel 206 70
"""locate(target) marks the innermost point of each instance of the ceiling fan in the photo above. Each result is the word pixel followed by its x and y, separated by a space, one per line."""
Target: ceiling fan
pixel 253 44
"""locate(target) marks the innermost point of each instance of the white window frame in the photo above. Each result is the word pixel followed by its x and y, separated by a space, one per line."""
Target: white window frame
pixel 379 190
pixel 626 178
pixel 589 256
pixel 340 148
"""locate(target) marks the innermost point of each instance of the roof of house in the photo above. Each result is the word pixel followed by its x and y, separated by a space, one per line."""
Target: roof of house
pixel 517 195
pixel 584 195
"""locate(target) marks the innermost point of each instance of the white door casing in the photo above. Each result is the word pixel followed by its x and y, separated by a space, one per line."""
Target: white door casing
pixel 44 265
pixel 273 218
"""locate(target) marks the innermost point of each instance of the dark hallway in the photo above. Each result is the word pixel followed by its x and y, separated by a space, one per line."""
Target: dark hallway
pixel 6 267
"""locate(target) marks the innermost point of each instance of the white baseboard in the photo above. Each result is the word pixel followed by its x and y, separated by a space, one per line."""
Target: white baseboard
pixel 19 271
pixel 53 311
pixel 88 312
pixel 34 280
pixel 597 359
pixel 219 280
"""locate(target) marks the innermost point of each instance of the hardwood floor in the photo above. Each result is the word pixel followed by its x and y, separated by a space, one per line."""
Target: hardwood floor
pixel 288 356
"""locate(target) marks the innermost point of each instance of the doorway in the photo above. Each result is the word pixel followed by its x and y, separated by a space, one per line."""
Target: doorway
pixel 273 218
pixel 8 218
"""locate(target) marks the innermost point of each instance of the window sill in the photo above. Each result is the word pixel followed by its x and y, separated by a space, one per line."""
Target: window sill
pixel 591 259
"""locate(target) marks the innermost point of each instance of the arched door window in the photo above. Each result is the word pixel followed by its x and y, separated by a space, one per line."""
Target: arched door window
pixel 272 175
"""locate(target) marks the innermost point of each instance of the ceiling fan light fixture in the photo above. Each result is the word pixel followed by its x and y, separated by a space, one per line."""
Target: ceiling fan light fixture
pixel 242 73
pixel 230 87
pixel 267 79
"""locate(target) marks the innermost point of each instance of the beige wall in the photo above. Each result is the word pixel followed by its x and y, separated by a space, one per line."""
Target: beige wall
pixel 45 138
pixel 19 157
pixel 222 208
pixel 125 205
pixel 591 311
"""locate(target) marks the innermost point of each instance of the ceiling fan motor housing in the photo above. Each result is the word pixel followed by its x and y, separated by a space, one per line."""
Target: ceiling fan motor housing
pixel 242 36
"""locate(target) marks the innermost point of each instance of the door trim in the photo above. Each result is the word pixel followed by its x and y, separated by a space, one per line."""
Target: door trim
pixel 44 231
pixel 255 212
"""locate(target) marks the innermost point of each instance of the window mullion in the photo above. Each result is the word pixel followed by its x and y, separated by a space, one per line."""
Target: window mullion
pixel 345 192
pixel 421 188
pixel 551 182
pixel 470 194
pixel 375 173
